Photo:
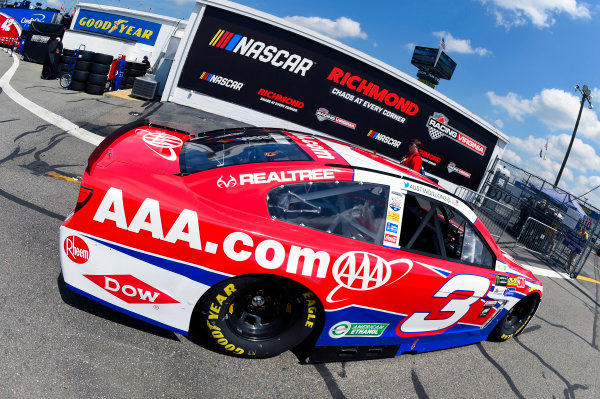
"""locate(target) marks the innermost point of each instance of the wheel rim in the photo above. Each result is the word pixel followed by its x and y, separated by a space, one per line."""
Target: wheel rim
pixel 260 313
pixel 518 315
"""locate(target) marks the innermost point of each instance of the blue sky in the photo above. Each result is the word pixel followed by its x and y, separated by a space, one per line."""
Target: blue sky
pixel 518 61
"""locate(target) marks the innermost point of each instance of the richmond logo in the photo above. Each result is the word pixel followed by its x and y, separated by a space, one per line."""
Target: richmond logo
pixel 261 51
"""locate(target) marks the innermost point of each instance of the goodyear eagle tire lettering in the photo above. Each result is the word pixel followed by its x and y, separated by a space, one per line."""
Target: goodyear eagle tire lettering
pixel 515 320
pixel 258 316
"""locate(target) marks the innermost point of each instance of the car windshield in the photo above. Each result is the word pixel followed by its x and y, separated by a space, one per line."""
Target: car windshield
pixel 238 148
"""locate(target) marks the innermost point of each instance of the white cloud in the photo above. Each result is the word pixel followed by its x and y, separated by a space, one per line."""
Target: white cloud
pixel 555 108
pixel 540 13
pixel 462 46
pixel 340 28
pixel 512 157
pixel 54 3
pixel 499 123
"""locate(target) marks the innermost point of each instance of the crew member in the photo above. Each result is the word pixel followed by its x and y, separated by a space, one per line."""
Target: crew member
pixel 146 62
pixel 52 64
pixel 413 159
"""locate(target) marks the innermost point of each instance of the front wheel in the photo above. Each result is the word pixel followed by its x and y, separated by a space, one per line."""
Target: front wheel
pixel 515 320
pixel 65 80
pixel 258 316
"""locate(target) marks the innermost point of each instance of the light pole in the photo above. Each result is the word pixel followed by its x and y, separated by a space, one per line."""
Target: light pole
pixel 585 96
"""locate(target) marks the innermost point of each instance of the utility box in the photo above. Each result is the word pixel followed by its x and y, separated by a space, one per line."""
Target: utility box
pixel 144 87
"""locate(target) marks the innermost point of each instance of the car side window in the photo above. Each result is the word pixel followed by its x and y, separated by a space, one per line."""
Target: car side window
pixel 442 231
pixel 349 209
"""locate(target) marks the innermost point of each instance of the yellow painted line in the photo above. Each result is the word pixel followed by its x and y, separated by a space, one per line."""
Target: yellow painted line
pixel 591 280
pixel 58 176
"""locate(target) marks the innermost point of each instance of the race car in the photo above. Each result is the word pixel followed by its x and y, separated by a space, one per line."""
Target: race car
pixel 264 240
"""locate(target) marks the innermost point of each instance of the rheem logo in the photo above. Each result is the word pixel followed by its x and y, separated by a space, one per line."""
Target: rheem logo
pixel 76 249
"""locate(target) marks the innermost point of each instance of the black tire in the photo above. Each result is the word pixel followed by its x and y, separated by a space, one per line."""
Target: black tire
pixel 257 316
pixel 65 59
pixel 64 67
pixel 105 59
pixel 94 89
pixel 101 69
pixel 515 320
pixel 86 55
pixel 97 79
pixel 80 76
pixel 68 52
pixel 77 86
pixel 82 65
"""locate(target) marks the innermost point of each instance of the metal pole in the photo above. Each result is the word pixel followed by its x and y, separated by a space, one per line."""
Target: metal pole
pixel 571 143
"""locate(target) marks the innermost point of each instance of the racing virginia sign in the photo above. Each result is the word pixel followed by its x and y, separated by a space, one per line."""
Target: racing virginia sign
pixel 270 70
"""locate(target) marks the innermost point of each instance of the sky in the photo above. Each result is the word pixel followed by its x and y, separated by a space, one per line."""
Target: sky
pixel 518 62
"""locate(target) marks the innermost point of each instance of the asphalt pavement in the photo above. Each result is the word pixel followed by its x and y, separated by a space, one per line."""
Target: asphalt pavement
pixel 57 344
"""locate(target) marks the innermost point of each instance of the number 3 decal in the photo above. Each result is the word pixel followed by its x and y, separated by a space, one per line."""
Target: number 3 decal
pixel 417 322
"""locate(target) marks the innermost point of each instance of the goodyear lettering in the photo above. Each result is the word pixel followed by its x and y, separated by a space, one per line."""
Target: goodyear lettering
pixel 214 314
pixel 119 25
pixel 371 90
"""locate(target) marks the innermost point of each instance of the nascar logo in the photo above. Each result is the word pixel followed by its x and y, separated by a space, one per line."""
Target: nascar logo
pixel 220 80
pixel 260 51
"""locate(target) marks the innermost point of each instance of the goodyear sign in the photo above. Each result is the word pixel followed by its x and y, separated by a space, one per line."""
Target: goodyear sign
pixel 118 25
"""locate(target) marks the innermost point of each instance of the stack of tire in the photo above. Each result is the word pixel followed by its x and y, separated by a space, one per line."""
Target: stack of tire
pixel 91 70
pixel 131 71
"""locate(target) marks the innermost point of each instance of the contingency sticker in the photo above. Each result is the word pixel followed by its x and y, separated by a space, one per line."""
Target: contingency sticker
pixel 394 219
pixel 348 329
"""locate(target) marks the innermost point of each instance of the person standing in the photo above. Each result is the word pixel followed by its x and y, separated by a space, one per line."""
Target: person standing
pixel 413 159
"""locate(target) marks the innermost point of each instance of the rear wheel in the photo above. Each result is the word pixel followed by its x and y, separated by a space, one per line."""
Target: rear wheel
pixel 258 316
pixel 515 320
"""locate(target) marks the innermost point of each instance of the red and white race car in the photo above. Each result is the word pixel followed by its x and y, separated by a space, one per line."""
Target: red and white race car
pixel 265 239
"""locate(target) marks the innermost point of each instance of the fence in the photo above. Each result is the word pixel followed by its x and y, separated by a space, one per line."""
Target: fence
pixel 545 219
pixel 494 214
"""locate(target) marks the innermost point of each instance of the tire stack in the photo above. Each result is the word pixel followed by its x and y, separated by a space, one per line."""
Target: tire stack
pixel 96 82
pixel 91 70
pixel 132 70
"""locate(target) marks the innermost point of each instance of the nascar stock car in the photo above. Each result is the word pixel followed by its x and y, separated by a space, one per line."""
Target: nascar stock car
pixel 263 240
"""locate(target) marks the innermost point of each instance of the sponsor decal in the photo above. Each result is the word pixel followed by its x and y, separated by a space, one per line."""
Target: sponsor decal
pixel 140 30
pixel 393 216
pixel 511 292
pixel 314 146
pixel 348 329
pixel 162 144
pixel 395 208
pixel 484 312
pixel 438 127
pixel 324 115
pixel 287 176
pixel 499 290
pixel 130 289
pixel 76 249
pixel 384 139
pixel 391 227
pixel 518 282
pixel 390 238
pixel 221 183
pixel 261 51
pixel 453 168
pixel 280 100
pixel 39 39
pixel 490 303
pixel 374 92
pixel 220 80
pixel 501 280
pixel 354 270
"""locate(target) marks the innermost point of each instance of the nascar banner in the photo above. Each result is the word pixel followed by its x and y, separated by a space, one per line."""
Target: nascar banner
pixel 274 71
pixel 141 31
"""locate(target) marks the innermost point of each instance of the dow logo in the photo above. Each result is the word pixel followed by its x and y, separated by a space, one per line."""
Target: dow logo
pixel 261 51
